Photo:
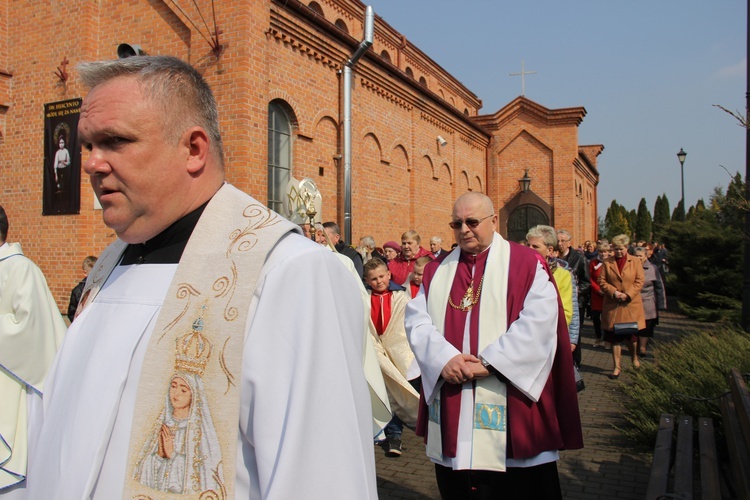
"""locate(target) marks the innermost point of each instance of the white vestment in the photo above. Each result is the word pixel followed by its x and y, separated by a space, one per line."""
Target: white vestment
pixel 509 354
pixel 381 408
pixel 305 418
pixel 31 329
pixel 395 358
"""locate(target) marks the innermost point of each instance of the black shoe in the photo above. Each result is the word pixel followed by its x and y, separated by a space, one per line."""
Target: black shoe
pixel 393 449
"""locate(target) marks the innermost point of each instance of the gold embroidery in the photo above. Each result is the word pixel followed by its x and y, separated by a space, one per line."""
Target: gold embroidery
pixel 223 365
pixel 259 217
pixel 193 350
pixel 184 291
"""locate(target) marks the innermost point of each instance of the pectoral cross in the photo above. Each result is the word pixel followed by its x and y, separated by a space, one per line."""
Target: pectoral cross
pixel 523 74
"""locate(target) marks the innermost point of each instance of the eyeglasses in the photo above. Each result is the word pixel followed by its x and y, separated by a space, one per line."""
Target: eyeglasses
pixel 471 222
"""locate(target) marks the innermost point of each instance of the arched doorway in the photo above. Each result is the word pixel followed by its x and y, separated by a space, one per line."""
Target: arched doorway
pixel 524 218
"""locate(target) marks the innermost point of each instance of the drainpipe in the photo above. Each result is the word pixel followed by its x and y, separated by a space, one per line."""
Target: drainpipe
pixel 348 67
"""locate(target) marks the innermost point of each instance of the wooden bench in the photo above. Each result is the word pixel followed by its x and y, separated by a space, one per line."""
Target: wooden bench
pixel 676 463
pixel 735 415
pixel 672 466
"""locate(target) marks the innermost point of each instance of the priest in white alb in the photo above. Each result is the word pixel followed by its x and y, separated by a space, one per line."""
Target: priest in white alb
pixel 31 329
pixel 196 367
pixel 499 396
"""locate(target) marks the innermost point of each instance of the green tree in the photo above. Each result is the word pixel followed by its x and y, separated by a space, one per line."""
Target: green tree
pixel 706 255
pixel 632 217
pixel 616 220
pixel 700 206
pixel 661 216
pixel 643 222
pixel 678 211
pixel 732 210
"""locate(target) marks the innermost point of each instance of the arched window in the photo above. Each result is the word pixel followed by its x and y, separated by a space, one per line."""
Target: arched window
pixel 385 55
pixel 423 81
pixel 340 24
pixel 409 72
pixel 279 153
pixel 466 112
pixel 315 7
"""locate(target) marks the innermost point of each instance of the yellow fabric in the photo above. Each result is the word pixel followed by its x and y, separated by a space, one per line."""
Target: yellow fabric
pixel 565 289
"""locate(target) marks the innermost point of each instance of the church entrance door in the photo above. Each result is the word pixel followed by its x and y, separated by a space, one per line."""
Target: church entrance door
pixel 524 218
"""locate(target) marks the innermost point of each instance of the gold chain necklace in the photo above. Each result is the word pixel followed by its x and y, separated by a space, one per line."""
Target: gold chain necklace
pixel 470 298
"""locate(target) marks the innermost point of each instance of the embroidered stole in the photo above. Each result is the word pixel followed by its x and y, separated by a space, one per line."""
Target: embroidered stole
pixel 489 413
pixel 188 450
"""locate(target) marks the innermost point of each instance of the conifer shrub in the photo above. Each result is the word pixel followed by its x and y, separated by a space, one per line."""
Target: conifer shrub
pixel 687 378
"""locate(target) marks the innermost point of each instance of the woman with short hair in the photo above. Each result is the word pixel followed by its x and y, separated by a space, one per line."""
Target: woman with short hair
pixel 621 279
pixel 653 297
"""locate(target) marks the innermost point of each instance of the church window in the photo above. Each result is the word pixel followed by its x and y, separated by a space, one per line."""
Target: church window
pixel 409 72
pixel 340 24
pixel 422 81
pixel 279 154
pixel 315 7
pixel 385 55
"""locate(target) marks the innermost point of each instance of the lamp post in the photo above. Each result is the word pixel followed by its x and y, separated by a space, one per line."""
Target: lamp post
pixel 681 156
pixel 525 182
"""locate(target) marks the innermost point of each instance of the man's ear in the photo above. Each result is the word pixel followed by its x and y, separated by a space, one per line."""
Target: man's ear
pixel 198 144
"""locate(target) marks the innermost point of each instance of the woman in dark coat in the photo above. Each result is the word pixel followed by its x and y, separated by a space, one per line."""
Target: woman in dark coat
pixel 653 297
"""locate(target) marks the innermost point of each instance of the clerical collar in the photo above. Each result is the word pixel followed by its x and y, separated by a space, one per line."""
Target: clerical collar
pixel 167 246
pixel 470 256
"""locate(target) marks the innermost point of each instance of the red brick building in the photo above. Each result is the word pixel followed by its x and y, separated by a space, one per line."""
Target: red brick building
pixel 275 66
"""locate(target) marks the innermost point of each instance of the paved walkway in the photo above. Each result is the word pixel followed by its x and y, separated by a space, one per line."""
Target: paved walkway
pixel 609 466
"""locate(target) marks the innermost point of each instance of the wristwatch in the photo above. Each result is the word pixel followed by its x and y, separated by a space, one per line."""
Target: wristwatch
pixel 485 363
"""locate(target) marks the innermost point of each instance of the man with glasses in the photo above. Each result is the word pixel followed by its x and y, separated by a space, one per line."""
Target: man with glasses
pixel 489 335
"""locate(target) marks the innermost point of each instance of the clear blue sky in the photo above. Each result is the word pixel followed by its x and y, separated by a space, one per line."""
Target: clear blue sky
pixel 647 72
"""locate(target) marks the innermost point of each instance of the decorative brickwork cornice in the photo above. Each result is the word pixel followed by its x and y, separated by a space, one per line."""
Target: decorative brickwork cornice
pixel 472 143
pixel 432 120
pixel 304 48
pixel 383 93
pixel 343 9
pixel 523 106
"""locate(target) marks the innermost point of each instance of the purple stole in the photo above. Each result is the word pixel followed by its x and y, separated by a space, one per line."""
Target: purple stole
pixel 552 423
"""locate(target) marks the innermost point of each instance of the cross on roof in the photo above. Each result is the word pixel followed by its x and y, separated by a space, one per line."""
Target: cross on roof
pixel 523 74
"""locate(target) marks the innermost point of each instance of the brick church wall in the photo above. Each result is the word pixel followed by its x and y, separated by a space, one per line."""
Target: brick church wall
pixel 273 50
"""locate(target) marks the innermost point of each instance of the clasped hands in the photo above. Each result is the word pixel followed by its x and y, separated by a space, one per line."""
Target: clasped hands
pixel 166 442
pixel 620 296
pixel 462 368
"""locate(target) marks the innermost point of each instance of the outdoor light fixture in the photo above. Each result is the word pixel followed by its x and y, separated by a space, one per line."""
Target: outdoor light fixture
pixel 442 141
pixel 681 156
pixel 525 182
pixel 129 50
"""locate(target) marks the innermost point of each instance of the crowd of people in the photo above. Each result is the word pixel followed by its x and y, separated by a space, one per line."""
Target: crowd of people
pixel 214 343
